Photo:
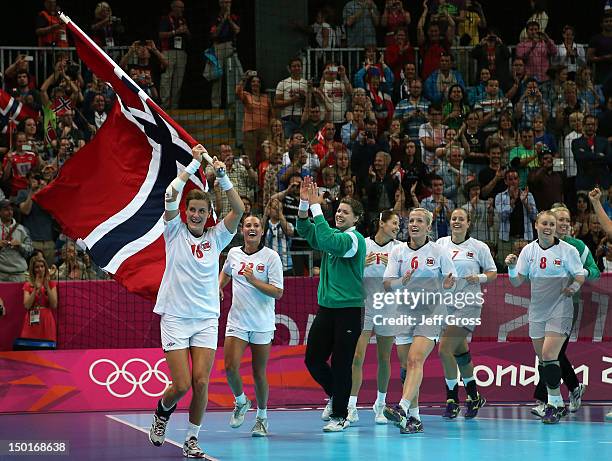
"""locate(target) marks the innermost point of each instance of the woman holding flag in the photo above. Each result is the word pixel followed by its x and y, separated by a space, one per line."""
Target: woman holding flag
pixel 188 298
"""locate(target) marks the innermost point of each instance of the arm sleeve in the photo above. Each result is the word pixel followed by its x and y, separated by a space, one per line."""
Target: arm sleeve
pixel 275 274
pixel 227 266
pixel 393 269
pixel 306 229
pixel 486 259
pixel 446 264
pixel 522 265
pixel 589 264
pixel 222 235
pixel 574 265
pixel 343 244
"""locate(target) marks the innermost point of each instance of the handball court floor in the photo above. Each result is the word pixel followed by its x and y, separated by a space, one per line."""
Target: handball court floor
pixel 507 432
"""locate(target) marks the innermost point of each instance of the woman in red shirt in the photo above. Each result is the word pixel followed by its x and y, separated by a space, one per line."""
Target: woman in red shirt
pixel 39 300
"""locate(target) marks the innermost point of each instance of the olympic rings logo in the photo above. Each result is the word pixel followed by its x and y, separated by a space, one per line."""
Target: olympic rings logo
pixel 130 378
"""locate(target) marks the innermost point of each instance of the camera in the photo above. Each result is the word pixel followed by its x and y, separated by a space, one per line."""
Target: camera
pixel 72 70
pixel 369 134
pixel 29 58
pixel 333 68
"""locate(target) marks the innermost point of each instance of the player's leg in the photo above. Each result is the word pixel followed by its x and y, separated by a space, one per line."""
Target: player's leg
pixel 384 345
pixel 357 374
pixel 403 346
pixel 318 351
pixel 450 341
pixel 407 416
pixel 202 359
pixel 463 357
pixel 233 350
pixel 552 344
pixel 261 343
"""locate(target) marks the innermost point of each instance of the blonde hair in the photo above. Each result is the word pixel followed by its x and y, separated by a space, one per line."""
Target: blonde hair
pixel 426 212
pixel 546 212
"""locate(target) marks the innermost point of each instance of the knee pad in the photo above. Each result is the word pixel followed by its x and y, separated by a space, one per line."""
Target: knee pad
pixel 552 373
pixel 463 359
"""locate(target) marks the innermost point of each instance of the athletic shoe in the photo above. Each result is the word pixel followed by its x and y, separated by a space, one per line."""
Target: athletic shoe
pixel 260 429
pixel 353 416
pixel 336 424
pixel 609 416
pixel 191 449
pixel 396 415
pixel 327 411
pixel 576 398
pixel 474 405
pixel 562 411
pixel 452 409
pixel 539 409
pixel 237 417
pixel 379 417
pixel 551 415
pixel 412 427
pixel 157 433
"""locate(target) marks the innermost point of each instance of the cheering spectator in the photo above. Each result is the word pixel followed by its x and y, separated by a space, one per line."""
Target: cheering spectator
pixel 453 174
pixel 72 267
pixel 382 105
pixel 455 109
pixel 361 18
pixel 506 135
pixel 173 36
pixel 589 94
pixel 517 211
pixel 402 85
pixel 325 149
pixel 291 96
pixel 593 158
pixel 298 165
pixel 106 28
pixel 39 300
pixel 312 122
pixel 33 138
pixel 278 232
pixel 524 157
pixel 538 16
pixel 363 150
pixel 439 81
pixel 311 161
pixel 24 93
pixel 15 246
pixel 552 89
pixel 569 163
pixel 355 124
pixel 440 206
pixel 492 177
pixel 481 213
pixel 564 107
pixel 432 46
pixel 473 138
pixel 271 182
pixel 223 33
pixel 380 188
pixel 569 54
pixel 492 54
pixel 519 77
pixel 530 104
pixel 35 219
pixel 336 90
pixel 432 134
pixel 491 106
pixel 543 138
pixel 394 18
pixel 257 113
pixel 470 19
pixel 50 29
pixel 343 164
pixel 413 170
pixel 98 113
pixel 66 95
pixel 599 51
pixel 537 49
pixel 545 183
pixel 413 110
pixel 476 93
pixel 17 164
pixel 145 63
pixel 399 53
pixel 371 64
pixel 582 217
pixel 21 64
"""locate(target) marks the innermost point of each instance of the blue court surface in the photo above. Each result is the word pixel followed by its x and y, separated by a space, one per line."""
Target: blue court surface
pixel 506 432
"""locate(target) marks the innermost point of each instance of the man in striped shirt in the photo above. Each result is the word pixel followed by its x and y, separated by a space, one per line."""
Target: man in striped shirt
pixel 413 110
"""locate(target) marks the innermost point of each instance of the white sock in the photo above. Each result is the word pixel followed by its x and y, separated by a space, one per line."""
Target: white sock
pixel 467 379
pixel 262 413
pixel 241 399
pixel 192 431
pixel 352 401
pixel 555 400
pixel 405 404
pixel 451 383
pixel 381 398
pixel 414 412
pixel 164 406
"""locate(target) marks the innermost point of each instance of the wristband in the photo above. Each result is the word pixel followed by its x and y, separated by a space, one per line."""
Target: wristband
pixel 574 287
pixel 397 283
pixel 315 209
pixel 482 278
pixel 225 183
pixel 172 206
pixel 512 271
pixel 304 205
pixel 193 167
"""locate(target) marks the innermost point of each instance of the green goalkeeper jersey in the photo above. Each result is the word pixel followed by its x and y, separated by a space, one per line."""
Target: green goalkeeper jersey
pixel 344 252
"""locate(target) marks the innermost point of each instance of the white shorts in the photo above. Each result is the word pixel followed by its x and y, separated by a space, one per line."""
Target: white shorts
pixel 180 333
pixel 251 337
pixel 403 340
pixel 561 325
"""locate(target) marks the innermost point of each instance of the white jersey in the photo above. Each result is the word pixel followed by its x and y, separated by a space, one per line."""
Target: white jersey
pixel 549 271
pixel 190 285
pixel 429 265
pixel 471 257
pixel 377 268
pixel 288 88
pixel 251 309
pixel 335 93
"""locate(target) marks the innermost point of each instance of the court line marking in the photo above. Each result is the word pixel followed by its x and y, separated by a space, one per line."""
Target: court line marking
pixel 138 428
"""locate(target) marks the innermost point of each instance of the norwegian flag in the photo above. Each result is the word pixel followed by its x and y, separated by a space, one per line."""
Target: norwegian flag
pixel 320 136
pixel 115 184
pixel 12 112
pixel 61 106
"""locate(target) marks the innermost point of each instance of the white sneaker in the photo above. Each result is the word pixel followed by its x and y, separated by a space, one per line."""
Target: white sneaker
pixel 576 397
pixel 237 417
pixel 327 411
pixel 539 410
pixel 379 417
pixel 336 425
pixel 353 416
pixel 260 429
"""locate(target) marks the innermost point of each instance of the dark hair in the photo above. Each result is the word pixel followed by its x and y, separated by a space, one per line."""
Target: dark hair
pixel 384 216
pixel 435 177
pixel 418 156
pixel 292 60
pixel 451 88
pixel 511 170
pixel 198 194
pixel 248 84
pixel 343 186
pixel 356 206
pixel 264 227
pixel 434 106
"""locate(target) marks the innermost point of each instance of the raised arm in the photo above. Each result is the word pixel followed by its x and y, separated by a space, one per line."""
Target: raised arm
pixel 175 189
pixel 606 223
